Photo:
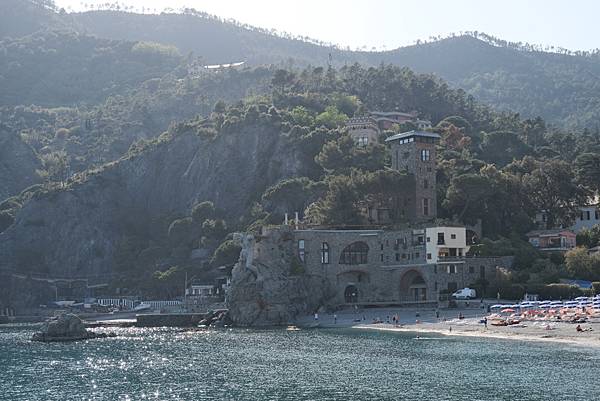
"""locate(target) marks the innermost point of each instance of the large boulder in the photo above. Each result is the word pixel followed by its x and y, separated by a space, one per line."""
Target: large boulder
pixel 65 327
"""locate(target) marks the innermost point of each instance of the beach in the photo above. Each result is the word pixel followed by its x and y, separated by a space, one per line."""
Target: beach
pixel 424 321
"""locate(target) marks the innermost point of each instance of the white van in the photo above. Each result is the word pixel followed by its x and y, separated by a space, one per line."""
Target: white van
pixel 465 293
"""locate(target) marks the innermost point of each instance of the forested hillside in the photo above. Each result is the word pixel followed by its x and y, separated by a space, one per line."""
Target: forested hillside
pixel 183 193
pixel 127 161
pixel 65 68
pixel 561 88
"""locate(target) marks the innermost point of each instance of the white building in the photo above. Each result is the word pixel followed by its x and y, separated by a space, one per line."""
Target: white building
pixel 588 217
pixel 445 243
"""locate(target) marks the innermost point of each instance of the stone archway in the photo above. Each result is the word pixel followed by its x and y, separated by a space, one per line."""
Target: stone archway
pixel 413 287
pixel 351 294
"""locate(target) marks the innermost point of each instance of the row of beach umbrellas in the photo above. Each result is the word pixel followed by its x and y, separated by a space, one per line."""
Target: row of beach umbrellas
pixel 579 302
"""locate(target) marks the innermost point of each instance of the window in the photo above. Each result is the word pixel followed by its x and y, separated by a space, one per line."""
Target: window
pixel 301 253
pixel 441 240
pixel 363 141
pixel 425 207
pixel 596 214
pixel 425 184
pixel 397 257
pixel 425 155
pixel 420 240
pixel 417 255
pixel 381 246
pixel 471 269
pixel 452 236
pixel 451 269
pixel 482 271
pixel 435 286
pixel 428 256
pixel 381 257
pixel 428 239
pixel 434 269
pixel 588 215
pixel 325 253
pixel 354 254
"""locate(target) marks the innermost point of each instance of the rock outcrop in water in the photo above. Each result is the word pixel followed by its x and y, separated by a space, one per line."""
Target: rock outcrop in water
pixel 65 327
pixel 266 289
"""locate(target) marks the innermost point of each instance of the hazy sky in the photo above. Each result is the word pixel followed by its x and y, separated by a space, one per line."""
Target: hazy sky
pixel 571 24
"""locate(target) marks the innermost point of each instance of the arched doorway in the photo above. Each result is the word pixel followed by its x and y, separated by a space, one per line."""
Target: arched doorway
pixel 351 294
pixel 413 287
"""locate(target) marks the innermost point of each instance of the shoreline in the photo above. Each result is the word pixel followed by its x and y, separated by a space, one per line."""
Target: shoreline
pixel 439 322
pixel 457 331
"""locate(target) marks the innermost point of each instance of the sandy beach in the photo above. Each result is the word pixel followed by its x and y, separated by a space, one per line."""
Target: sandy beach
pixel 420 322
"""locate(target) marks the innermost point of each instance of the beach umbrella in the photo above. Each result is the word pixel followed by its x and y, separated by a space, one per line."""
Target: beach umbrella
pixel 508 310
pixel 496 306
pixel 544 302
pixel 581 299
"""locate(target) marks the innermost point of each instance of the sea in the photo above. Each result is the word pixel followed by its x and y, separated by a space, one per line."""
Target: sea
pixel 277 364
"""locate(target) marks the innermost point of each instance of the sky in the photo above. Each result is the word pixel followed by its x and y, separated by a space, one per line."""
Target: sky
pixel 388 24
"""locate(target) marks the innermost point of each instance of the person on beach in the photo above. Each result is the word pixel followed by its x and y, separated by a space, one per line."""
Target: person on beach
pixel 450 329
pixel 578 328
pixel 437 314
pixel 485 322
pixel 334 318
pixel 316 317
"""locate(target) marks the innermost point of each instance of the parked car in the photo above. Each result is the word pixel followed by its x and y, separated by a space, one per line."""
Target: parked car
pixel 465 293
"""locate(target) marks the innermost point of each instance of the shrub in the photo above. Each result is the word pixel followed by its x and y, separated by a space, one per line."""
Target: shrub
pixel 202 211
pixel 180 231
pixel 559 291
pixel 226 254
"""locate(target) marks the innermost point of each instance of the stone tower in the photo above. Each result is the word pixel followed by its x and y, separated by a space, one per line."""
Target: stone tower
pixel 414 152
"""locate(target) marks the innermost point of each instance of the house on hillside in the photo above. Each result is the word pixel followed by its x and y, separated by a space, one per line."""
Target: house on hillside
pixel 588 216
pixel 558 240
pixel 363 130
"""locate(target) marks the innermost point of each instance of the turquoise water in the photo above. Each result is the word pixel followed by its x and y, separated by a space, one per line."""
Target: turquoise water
pixel 302 365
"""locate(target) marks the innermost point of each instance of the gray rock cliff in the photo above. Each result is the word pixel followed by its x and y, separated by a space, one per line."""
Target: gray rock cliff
pixel 18 165
pixel 73 232
pixel 270 290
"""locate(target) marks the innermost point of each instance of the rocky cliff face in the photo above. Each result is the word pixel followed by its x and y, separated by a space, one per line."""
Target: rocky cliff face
pixel 73 232
pixel 18 165
pixel 266 289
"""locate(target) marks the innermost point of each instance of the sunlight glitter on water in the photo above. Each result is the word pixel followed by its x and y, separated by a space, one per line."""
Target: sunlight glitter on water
pixel 277 365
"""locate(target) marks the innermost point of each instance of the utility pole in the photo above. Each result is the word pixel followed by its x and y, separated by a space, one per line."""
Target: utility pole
pixel 185 293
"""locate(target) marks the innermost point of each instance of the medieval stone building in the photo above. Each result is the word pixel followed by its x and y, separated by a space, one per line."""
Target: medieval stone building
pixel 295 270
